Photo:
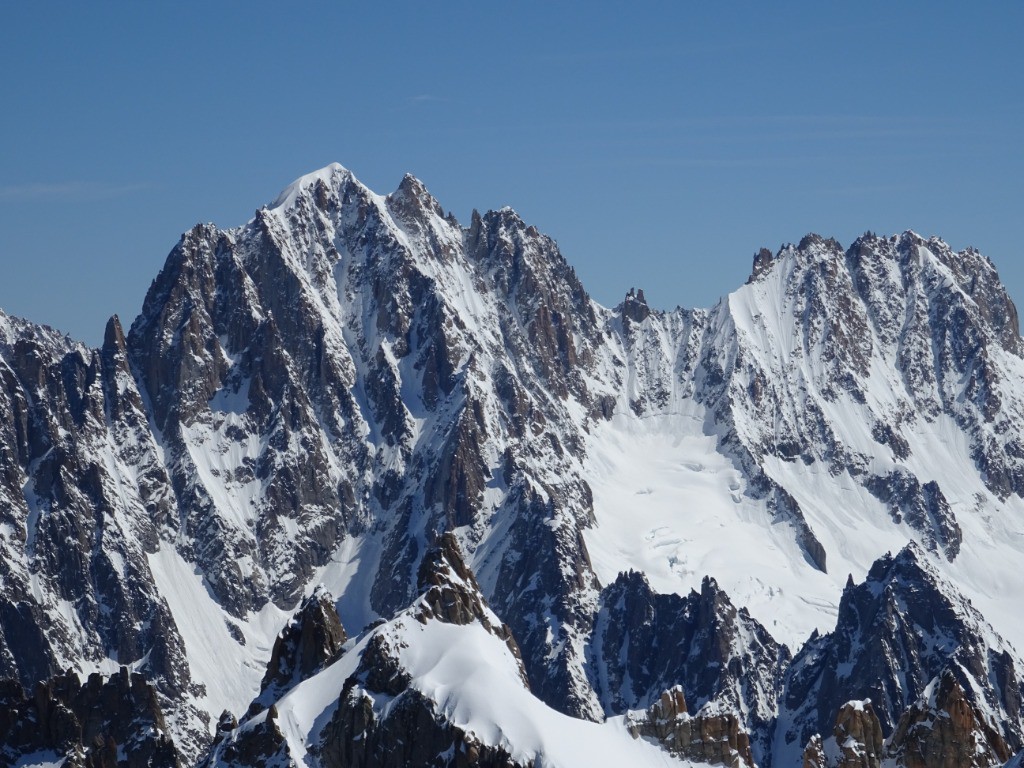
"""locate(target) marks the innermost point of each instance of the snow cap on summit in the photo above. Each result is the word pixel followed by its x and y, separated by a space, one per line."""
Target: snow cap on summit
pixel 328 174
pixel 410 183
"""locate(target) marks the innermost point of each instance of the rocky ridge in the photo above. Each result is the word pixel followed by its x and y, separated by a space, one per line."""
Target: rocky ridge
pixel 711 739
pixel 723 662
pixel 312 639
pixel 910 646
pixel 102 723
pixel 944 728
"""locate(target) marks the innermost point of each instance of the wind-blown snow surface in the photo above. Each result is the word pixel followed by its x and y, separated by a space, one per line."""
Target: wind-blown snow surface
pixel 315 395
pixel 666 503
pixel 229 670
pixel 669 505
pixel 475 683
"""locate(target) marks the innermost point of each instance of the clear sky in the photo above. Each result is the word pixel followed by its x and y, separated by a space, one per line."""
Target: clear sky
pixel 660 143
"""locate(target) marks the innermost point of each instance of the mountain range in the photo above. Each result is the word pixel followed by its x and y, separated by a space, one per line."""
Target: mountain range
pixel 363 486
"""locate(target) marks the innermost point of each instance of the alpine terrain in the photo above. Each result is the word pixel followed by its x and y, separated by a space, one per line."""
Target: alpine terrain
pixel 362 486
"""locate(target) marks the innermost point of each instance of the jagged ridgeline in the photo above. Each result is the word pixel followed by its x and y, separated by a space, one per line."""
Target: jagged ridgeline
pixel 363 486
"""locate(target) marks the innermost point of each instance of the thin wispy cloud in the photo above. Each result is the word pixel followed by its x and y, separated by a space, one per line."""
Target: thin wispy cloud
pixel 806 125
pixel 621 54
pixel 690 49
pixel 753 129
pixel 674 161
pixel 425 98
pixel 862 190
pixel 72 191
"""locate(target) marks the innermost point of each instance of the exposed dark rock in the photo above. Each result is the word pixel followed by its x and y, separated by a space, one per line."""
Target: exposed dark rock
pixel 644 643
pixel 783 506
pixel 258 743
pixel 895 633
pixel 551 566
pixel 104 723
pixel 814 753
pixel 226 723
pixel 459 479
pixel 411 730
pixel 545 292
pixel 923 507
pixel 946 730
pixel 886 435
pixel 309 642
pixel 715 739
pixel 452 595
pixel 412 735
pixel 762 263
pixel 634 308
pixel 858 736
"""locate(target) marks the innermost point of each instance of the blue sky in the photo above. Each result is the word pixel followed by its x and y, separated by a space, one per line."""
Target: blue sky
pixel 661 144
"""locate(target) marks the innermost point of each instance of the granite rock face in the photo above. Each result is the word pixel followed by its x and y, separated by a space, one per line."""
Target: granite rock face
pixel 946 730
pixel 814 754
pixel 452 595
pixel 715 739
pixel 858 736
pixel 102 723
pixel 717 655
pixel 413 734
pixel 309 642
pixel 82 504
pixel 924 508
pixel 943 729
pixel 898 635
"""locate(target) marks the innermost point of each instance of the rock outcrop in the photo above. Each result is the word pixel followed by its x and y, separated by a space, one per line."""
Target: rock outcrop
pixel 858 736
pixel 715 739
pixel 309 642
pixel 923 507
pixel 451 594
pixel 644 643
pixel 258 744
pixel 896 634
pixel 944 729
pixel 814 754
pixel 115 722
pixel 414 734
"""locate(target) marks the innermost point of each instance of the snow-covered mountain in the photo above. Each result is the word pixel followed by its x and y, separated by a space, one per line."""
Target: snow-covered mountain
pixel 363 486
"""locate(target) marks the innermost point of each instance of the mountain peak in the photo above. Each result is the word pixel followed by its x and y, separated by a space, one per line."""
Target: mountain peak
pixel 634 306
pixel 507 213
pixel 332 175
pixel 763 261
pixel 412 197
pixel 811 248
pixel 814 241
pixel 411 184
pixel 910 563
pixel 442 426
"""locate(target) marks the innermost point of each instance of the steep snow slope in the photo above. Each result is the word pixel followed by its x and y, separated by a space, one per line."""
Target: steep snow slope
pixel 667 504
pixel 474 682
pixel 449 663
